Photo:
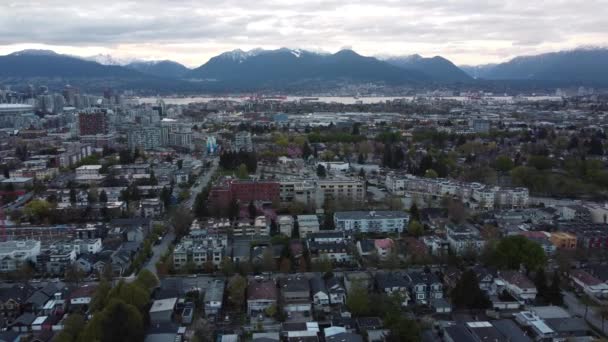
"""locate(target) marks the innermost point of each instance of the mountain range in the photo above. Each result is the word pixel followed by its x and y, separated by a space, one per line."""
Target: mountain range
pixel 583 65
pixel 284 68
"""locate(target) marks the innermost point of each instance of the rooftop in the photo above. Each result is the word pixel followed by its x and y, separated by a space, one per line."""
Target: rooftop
pixel 163 305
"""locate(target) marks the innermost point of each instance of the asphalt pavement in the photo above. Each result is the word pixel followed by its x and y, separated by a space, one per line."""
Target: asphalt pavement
pixel 160 249
pixel 577 308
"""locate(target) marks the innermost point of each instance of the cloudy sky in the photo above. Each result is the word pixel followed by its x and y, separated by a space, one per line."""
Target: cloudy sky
pixel 190 32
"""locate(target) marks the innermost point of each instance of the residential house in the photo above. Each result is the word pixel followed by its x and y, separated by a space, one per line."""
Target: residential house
pixel 261 294
pixel 518 285
pixel 295 291
pixel 12 301
pixel 337 292
pixel 425 286
pixel 320 294
pixel 394 283
pixel 588 284
pixel 307 224
pixel 214 296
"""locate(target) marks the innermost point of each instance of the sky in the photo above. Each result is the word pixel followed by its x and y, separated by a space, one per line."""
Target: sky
pixel 190 32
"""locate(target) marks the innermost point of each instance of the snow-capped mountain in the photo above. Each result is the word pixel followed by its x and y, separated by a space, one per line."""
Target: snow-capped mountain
pixel 107 59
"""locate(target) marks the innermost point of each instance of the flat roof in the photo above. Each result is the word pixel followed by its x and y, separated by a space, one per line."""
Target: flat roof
pixel 163 304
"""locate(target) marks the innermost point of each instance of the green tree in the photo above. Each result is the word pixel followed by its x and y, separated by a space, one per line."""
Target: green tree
pixel 415 228
pixel 321 171
pixel 252 210
pixel 181 219
pixel 540 162
pixel 227 266
pixel 242 172
pixel 37 210
pixel 555 296
pixel 467 294
pixel 430 173
pixel 358 300
pixel 101 295
pixel 513 251
pixel 503 164
pixel 103 197
pixel 414 212
pixel 72 327
pixel 540 281
pixel 118 322
pixel 236 291
pixel 132 294
pixel 72 195
pixel 147 280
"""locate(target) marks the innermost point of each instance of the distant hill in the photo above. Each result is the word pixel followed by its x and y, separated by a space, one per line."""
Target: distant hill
pixel 585 65
pixel 287 66
pixel 43 63
pixel 165 69
pixel 437 68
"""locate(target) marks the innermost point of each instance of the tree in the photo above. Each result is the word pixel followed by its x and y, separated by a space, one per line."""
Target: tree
pixel 236 291
pixel 72 327
pixel 242 172
pixel 101 295
pixel 358 300
pixel 268 262
pixel 414 212
pixel 131 293
pixel 234 209
pixel 456 211
pixel 361 173
pixel 72 195
pixel 147 279
pixel 554 294
pixel 252 210
pixel 514 251
pixel 306 151
pixel 91 196
pixel 361 159
pixel 227 266
pixel 285 266
pixel 103 197
pixel 37 210
pixel 403 330
pixel 415 228
pixel 117 322
pixel 180 164
pixel 540 281
pixel 295 232
pixel 165 196
pixel 274 228
pixel 467 294
pixel 321 171
pixel 503 164
pixel 430 173
pixel 200 205
pixel 73 274
pixel 181 219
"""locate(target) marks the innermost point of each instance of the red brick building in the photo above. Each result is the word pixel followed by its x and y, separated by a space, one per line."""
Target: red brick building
pixel 93 123
pixel 244 192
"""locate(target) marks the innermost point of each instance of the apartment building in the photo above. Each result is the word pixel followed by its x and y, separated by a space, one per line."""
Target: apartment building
pixel 371 221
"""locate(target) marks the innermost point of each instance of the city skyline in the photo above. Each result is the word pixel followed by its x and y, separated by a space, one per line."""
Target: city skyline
pixel 191 32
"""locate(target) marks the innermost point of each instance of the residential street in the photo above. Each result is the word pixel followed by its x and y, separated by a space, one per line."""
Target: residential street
pixel 577 308
pixel 160 249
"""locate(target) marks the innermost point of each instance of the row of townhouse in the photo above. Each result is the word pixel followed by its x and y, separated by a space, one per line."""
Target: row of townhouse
pixel 200 249
pixel 476 194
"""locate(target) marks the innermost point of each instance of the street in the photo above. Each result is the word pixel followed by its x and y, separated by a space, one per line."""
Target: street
pixel 160 249
pixel 577 308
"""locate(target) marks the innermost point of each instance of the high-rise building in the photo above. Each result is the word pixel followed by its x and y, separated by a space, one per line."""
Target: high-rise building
pixel 145 138
pixel 92 123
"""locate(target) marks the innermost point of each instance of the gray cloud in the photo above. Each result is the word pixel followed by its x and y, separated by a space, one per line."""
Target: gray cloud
pixel 185 29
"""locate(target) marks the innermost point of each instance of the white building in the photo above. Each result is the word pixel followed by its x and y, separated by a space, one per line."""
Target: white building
pixel 307 224
pixel 371 221
pixel 285 223
pixel 14 253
